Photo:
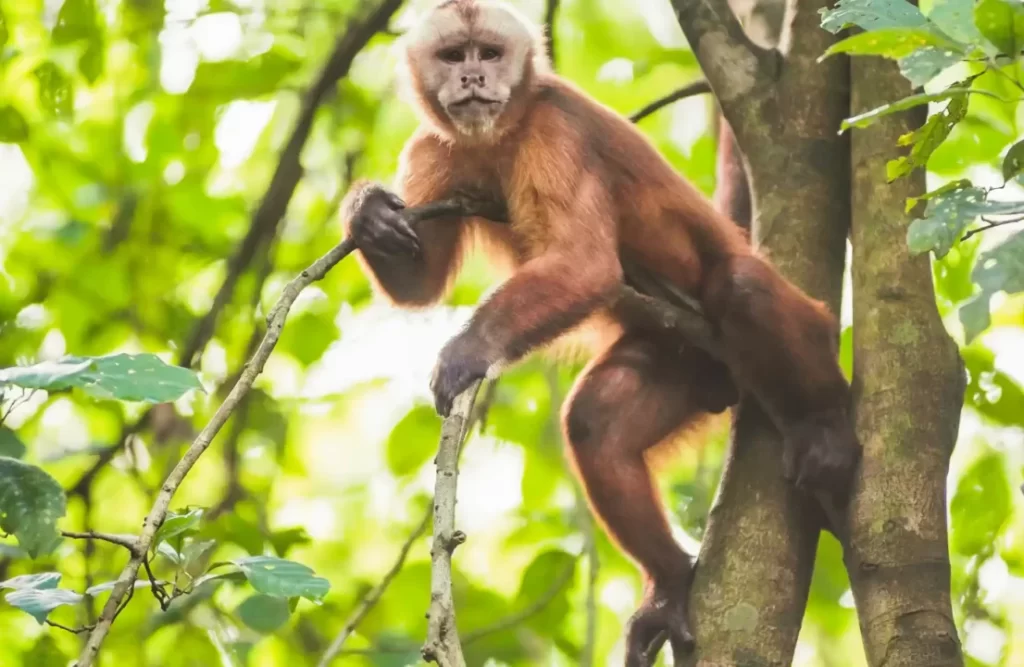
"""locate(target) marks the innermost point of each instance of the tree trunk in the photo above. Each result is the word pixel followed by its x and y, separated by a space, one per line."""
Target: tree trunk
pixel 758 553
pixel 909 384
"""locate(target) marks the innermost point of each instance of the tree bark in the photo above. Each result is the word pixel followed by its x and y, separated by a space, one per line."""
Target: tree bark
pixel 758 553
pixel 909 385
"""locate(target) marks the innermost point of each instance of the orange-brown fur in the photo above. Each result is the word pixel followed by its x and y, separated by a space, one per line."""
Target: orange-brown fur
pixel 584 189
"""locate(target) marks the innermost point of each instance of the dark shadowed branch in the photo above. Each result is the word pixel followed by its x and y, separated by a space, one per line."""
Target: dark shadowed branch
pixel 700 87
pixel 550 15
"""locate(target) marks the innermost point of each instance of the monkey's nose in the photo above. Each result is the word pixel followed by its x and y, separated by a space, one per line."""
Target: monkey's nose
pixel 472 80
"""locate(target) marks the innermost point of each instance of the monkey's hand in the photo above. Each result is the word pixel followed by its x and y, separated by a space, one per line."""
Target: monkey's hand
pixel 461 362
pixel 662 616
pixel 379 227
pixel 821 453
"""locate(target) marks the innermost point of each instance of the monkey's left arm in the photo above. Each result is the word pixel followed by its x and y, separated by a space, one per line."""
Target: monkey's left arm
pixel 546 297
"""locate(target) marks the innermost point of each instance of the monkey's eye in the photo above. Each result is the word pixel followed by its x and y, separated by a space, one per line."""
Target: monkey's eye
pixel 452 55
pixel 490 53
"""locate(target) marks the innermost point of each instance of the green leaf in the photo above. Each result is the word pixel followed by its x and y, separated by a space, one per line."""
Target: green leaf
pixel 871 15
pixel 255 77
pixel 178 524
pixel 927 138
pixel 889 42
pixel 284 540
pixel 980 505
pixel 5 32
pixel 128 377
pixel 56 92
pixel 947 215
pixel 264 613
pixel 283 578
pixel 1002 24
pixel 1013 162
pixel 195 556
pixel 31 502
pixel 868 117
pixel 956 19
pixel 925 64
pixel 24 582
pixel 76 20
pixel 413 440
pixel 11 445
pixel 13 126
pixel 975 316
pixel 93 591
pixel 538 583
pixel 948 187
pixel 40 602
pixel 91 62
pixel 990 392
pixel 998 269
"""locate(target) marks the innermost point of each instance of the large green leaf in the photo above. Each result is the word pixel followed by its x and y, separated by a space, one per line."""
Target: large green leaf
pixel 539 582
pixel 413 440
pixel 925 64
pixel 998 269
pixel 264 613
pixel 872 15
pixel 1002 24
pixel 283 578
pixel 256 77
pixel 31 502
pixel 56 92
pixel 39 602
pixel 948 214
pixel 11 445
pixel 956 19
pixel 889 42
pixel 178 524
pixel 128 377
pixel 981 505
pixel 24 582
pixel 868 117
pixel 927 138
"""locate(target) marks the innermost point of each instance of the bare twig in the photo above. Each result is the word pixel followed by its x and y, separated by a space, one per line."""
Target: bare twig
pixel 699 87
pixel 129 542
pixel 156 516
pixel 370 600
pixel 991 224
pixel 289 168
pixel 74 631
pixel 442 644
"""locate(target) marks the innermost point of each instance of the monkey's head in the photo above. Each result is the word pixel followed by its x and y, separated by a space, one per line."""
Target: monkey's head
pixel 470 64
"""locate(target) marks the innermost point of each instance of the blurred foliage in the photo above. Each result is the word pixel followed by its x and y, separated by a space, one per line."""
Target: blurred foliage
pixel 138 139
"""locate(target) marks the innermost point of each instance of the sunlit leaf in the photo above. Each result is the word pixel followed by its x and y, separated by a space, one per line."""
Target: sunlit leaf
pixel 264 613
pixel 413 440
pixel 5 32
pixel 865 119
pixel 255 77
pixel 872 15
pixel 1002 24
pixel 540 582
pixel 283 578
pixel 91 62
pixel 31 502
pixel 108 586
pixel 178 525
pixel 39 602
pixel 989 391
pixel 128 377
pixel 1013 161
pixel 947 215
pixel 889 42
pixel 927 138
pixel 998 269
pixel 925 64
pixel 980 505
pixel 11 445
pixel 13 126
pixel 76 20
pixel 956 19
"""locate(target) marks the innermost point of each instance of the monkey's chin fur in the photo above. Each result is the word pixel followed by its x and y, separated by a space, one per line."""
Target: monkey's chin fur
pixel 477 121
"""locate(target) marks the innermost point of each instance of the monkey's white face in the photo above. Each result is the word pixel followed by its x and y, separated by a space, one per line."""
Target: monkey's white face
pixel 468 66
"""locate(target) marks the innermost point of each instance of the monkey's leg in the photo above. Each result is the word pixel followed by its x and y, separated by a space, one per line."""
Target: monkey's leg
pixel 629 399
pixel 782 346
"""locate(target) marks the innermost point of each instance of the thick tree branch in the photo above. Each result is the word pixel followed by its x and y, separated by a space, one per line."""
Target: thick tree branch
pixel 692 89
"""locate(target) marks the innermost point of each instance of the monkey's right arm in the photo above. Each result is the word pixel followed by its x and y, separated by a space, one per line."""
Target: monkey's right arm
pixel 413 267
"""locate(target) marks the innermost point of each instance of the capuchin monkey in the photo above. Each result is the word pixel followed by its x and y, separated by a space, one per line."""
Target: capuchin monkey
pixel 584 191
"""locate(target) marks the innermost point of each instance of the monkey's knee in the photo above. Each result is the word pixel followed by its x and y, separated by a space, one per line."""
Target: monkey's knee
pixel 586 420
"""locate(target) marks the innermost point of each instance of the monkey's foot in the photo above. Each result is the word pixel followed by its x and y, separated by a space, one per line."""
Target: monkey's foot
pixel 822 453
pixel 662 617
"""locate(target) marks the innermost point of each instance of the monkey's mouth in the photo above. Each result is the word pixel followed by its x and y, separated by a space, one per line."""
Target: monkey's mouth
pixel 474 99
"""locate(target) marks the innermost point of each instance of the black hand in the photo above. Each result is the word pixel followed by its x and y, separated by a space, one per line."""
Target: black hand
pixel 379 226
pixel 459 366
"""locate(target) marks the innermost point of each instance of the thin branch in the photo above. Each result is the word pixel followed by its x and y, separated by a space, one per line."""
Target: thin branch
pixel 372 597
pixel 526 613
pixel 156 516
pixel 593 571
pixel 700 87
pixel 550 14
pixel 129 542
pixel 442 644
pixel 74 631
pixel 289 168
pixel 991 224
